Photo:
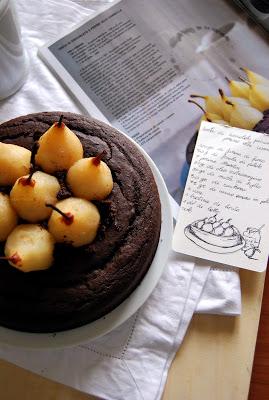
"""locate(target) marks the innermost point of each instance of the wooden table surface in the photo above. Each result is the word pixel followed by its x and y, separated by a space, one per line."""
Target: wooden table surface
pixel 214 362
pixel 259 388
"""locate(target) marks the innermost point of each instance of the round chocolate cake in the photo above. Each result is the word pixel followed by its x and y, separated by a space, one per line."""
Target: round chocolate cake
pixel 87 282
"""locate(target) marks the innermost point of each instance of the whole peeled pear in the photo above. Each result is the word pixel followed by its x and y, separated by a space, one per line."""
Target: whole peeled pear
pixel 29 198
pixel 255 78
pixel 8 217
pixel 59 148
pixel 77 222
pixel 30 247
pixel 245 117
pixel 90 178
pixel 14 162
pixel 239 89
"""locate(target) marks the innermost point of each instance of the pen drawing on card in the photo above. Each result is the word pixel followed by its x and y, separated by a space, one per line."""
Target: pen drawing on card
pixel 221 236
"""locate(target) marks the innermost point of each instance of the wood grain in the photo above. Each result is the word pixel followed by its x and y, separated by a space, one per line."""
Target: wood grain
pixel 214 361
pixel 259 387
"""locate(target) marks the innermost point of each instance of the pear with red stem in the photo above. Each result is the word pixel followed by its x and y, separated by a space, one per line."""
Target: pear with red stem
pixel 30 194
pixel 74 221
pixel 90 178
pixel 29 247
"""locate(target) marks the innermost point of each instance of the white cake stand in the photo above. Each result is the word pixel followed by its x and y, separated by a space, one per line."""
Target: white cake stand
pixel 126 309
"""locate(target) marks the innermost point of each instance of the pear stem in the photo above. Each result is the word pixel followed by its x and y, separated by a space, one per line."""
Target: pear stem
pixel 230 104
pixel 68 218
pixel 60 121
pixel 227 79
pixel 29 179
pixel 245 81
pixel 198 105
pixel 197 96
pixel 15 258
pixel 97 159
pixel 222 95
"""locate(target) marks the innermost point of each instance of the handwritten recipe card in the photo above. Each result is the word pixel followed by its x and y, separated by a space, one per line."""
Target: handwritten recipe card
pixel 224 214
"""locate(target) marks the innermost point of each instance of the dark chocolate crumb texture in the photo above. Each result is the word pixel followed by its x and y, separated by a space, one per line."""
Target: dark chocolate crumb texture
pixel 85 283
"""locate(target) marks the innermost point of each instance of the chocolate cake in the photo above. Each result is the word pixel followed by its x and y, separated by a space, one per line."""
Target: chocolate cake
pixel 85 283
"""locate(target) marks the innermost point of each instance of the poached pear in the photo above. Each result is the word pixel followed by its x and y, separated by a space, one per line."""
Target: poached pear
pixel 74 221
pixel 29 196
pixel 59 148
pixel 8 217
pixel 29 247
pixel 90 179
pixel 14 162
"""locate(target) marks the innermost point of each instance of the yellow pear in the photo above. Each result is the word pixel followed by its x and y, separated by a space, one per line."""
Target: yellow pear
pixel 14 162
pixel 238 89
pixel 227 100
pixel 30 194
pixel 8 217
pixel 90 178
pixel 255 78
pixel 210 117
pixel 29 247
pixel 213 104
pixel 74 221
pixel 245 117
pixel 59 148
pixel 259 96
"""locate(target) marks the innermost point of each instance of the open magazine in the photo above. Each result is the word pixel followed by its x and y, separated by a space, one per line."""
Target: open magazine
pixel 135 64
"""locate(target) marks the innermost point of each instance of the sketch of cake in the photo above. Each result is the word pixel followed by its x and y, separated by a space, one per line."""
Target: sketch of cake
pixel 216 236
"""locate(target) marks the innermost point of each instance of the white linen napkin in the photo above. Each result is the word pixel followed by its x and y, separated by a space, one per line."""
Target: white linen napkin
pixel 132 361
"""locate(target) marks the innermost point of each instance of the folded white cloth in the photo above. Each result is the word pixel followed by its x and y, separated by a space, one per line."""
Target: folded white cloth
pixel 132 361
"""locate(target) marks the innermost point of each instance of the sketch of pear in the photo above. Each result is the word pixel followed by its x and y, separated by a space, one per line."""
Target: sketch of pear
pixel 213 219
pixel 219 230
pixel 200 224
pixel 208 227
pixel 226 224
pixel 228 231
pixel 216 224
